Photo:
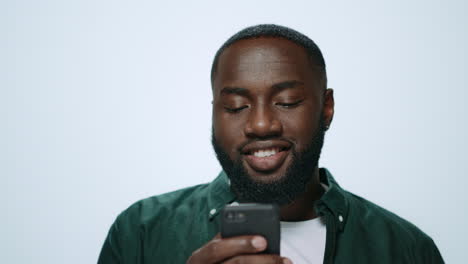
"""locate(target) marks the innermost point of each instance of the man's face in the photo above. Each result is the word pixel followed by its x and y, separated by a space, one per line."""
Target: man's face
pixel 269 113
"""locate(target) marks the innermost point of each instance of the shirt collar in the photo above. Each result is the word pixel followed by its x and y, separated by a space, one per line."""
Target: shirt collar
pixel 219 194
pixel 332 201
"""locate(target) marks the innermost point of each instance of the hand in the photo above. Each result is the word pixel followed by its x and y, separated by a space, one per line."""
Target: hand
pixel 239 249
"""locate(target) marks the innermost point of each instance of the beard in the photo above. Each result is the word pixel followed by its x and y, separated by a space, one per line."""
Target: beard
pixel 283 191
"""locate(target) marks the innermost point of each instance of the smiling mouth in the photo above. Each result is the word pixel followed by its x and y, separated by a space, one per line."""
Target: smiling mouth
pixel 267 152
pixel 267 159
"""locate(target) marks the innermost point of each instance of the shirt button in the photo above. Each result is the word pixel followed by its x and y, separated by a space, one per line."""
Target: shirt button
pixel 340 217
pixel 212 211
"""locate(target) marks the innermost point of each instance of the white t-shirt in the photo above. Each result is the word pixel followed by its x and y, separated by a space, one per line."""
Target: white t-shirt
pixel 304 242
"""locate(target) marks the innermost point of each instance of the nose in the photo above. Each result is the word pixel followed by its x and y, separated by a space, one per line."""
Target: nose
pixel 262 123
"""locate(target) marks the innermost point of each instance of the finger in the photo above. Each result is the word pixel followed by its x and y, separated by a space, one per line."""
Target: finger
pixel 220 249
pixel 258 259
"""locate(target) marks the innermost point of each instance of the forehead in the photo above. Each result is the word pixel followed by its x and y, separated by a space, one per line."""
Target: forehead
pixel 267 60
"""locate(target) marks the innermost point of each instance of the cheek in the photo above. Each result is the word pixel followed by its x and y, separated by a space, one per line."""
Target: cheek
pixel 228 131
pixel 300 126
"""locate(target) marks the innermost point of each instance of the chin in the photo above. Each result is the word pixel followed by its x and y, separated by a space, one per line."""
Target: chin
pixel 267 177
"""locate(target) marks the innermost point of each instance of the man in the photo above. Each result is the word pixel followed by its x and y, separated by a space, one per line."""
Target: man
pixel 271 109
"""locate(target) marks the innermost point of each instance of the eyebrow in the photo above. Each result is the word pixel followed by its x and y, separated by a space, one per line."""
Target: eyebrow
pixel 235 90
pixel 277 87
pixel 286 85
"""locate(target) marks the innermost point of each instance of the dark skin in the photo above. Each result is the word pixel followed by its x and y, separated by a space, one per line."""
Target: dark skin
pixel 266 89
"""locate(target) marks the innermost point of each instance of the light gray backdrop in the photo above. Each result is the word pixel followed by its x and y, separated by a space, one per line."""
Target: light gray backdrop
pixel 103 103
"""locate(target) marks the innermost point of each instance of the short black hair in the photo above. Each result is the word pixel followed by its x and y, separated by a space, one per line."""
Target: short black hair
pixel 275 31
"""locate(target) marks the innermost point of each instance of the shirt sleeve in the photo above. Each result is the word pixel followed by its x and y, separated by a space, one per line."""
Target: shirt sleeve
pixel 434 255
pixel 123 243
pixel 110 252
pixel 429 253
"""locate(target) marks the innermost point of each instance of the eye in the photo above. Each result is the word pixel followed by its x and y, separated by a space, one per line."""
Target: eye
pixel 235 110
pixel 290 105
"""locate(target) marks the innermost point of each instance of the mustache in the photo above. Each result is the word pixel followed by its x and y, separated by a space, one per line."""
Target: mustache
pixel 254 140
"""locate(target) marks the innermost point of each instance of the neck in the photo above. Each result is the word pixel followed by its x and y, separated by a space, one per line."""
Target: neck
pixel 302 208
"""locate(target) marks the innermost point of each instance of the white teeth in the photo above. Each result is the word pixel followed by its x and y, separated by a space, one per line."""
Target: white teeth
pixel 265 153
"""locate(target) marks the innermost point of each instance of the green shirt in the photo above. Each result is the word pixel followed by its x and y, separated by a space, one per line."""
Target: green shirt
pixel 168 228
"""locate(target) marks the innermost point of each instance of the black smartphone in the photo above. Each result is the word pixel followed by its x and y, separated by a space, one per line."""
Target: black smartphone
pixel 253 219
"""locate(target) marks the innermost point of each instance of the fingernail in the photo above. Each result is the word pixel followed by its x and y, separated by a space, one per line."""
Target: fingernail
pixel 287 261
pixel 259 243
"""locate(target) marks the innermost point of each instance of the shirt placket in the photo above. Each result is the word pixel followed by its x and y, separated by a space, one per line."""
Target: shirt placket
pixel 330 243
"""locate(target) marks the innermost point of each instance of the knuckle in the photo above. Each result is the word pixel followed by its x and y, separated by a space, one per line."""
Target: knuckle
pixel 246 244
pixel 212 249
pixel 278 260
pixel 273 259
pixel 264 259
pixel 194 257
pixel 237 260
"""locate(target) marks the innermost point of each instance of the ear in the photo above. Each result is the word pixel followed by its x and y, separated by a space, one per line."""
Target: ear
pixel 328 108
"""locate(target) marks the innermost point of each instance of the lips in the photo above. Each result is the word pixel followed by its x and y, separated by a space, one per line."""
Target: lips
pixel 266 156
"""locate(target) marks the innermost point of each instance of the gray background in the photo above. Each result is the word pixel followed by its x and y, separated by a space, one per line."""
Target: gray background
pixel 103 103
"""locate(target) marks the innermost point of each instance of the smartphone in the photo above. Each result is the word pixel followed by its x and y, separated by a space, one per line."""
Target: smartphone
pixel 253 219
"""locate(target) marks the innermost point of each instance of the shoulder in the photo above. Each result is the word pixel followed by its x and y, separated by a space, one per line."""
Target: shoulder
pixel 373 215
pixel 376 223
pixel 124 242
pixel 159 206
